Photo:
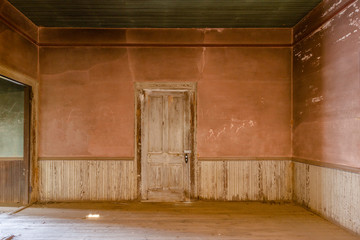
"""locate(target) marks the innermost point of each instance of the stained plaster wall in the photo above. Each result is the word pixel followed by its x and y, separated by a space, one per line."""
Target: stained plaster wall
pixel 87 88
pixel 326 84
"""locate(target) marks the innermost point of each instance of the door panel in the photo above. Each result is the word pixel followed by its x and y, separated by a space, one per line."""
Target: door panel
pixel 165 174
pixel 176 124
pixel 155 128
pixel 156 175
pixel 175 180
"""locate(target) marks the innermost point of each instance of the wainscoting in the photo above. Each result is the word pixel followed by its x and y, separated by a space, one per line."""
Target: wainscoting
pixel 333 193
pixel 245 180
pixel 114 180
pixel 87 180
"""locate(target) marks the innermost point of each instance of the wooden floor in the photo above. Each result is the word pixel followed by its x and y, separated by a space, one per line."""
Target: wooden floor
pixel 197 220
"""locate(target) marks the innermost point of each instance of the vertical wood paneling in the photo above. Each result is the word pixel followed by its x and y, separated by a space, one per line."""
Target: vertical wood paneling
pixel 246 180
pixel 87 180
pixel 333 193
pixel 212 180
pixel 10 176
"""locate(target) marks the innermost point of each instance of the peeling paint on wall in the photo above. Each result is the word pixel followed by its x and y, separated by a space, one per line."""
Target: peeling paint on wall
pixel 326 66
pixel 335 5
pixel 317 99
pixel 235 126
pixel 343 38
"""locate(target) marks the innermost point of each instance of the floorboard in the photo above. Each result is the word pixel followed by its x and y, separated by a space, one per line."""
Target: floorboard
pixel 167 221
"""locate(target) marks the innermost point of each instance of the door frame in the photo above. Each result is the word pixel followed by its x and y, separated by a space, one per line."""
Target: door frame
pixel 140 88
pixel 25 181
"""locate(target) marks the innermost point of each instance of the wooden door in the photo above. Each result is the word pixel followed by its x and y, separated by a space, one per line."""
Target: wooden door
pixel 166 143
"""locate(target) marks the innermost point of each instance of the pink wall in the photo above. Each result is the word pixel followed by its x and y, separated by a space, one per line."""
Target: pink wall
pixel 244 102
pixel 326 84
pixel 87 88
pixel 86 102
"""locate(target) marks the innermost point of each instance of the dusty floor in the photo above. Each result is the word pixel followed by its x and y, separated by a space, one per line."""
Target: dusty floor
pixel 197 220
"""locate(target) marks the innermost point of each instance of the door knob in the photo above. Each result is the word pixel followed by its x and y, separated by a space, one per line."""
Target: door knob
pixel 187 152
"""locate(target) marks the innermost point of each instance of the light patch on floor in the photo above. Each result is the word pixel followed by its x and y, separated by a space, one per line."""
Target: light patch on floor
pixel 197 220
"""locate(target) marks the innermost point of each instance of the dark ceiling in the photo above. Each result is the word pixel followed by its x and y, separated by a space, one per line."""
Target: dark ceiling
pixel 165 13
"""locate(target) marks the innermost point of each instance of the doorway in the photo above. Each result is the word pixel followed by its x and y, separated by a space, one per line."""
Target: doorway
pixel 15 110
pixel 166 125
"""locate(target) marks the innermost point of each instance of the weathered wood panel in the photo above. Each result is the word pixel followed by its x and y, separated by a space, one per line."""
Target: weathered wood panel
pixel 333 193
pixel 10 184
pixel 87 180
pixel 246 180
pixel 165 173
pixel 212 180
